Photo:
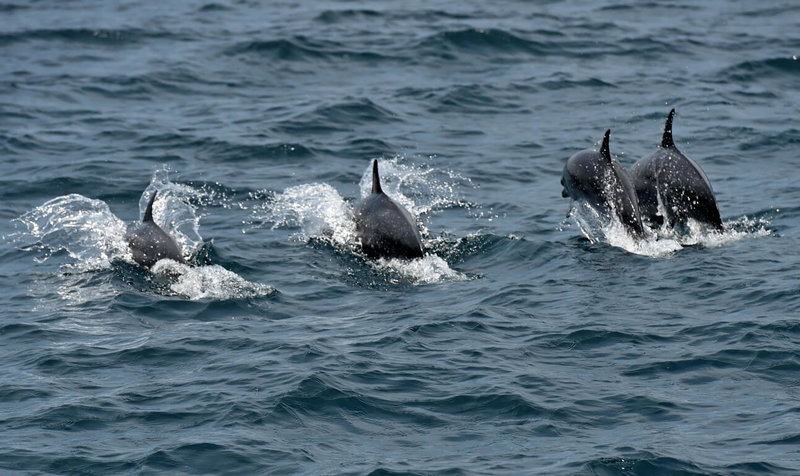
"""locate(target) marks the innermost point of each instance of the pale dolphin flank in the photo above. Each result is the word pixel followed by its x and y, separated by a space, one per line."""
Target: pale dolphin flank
pixel 149 243
pixel 676 183
pixel 600 181
pixel 384 228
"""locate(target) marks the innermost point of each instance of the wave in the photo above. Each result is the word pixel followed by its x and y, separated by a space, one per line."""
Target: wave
pixel 101 37
pixel 761 362
pixel 317 394
pixel 370 16
pixel 647 463
pixel 477 41
pixel 599 338
pixel 641 463
pixel 338 117
pixel 351 15
pixel 347 15
pixel 770 68
pixel 772 139
pixel 146 86
pixel 214 7
pixel 303 49
pixel 473 99
pixel 495 406
pixel 11 7
pixel 42 142
pixel 218 151
pixel 366 147
pixel 649 47
pixel 564 83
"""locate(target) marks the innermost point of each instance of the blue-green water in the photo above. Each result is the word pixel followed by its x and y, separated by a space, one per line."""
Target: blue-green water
pixel 516 346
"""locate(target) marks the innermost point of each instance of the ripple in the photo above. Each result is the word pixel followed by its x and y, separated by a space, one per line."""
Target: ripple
pixel 313 396
pixel 642 464
pixel 769 68
pixel 102 37
pixel 348 15
pixel 338 117
pixel 303 49
pixel 500 44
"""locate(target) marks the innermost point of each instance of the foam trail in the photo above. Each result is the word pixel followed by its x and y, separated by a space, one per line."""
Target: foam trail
pixel 664 241
pixel 428 269
pixel 737 230
pixel 597 228
pixel 208 282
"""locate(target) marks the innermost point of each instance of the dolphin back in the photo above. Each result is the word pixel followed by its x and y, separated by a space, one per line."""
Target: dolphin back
pixel 149 243
pixel 673 187
pixel 600 181
pixel 384 227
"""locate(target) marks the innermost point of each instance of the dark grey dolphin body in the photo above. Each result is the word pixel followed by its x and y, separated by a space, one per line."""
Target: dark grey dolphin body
pixel 600 181
pixel 676 182
pixel 384 227
pixel 149 243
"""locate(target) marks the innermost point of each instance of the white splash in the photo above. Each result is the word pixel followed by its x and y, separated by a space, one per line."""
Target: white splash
pixel 428 269
pixel 737 230
pixel 617 235
pixel 317 209
pixel 83 227
pixel 664 241
pixel 208 282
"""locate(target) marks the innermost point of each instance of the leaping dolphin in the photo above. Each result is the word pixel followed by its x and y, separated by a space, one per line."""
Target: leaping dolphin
pixel 599 180
pixel 384 227
pixel 149 243
pixel 669 183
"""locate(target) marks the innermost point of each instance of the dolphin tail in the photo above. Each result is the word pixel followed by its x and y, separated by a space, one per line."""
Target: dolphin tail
pixel 148 213
pixel 667 141
pixel 376 179
pixel 605 153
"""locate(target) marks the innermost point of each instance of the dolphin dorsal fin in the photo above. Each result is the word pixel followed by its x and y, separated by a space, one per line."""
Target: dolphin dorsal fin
pixel 667 141
pixel 376 179
pixel 605 153
pixel 148 213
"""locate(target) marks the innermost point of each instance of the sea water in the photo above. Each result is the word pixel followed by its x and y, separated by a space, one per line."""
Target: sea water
pixel 524 342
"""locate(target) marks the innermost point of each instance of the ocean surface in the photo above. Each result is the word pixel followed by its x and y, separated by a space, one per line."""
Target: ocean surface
pixel 522 343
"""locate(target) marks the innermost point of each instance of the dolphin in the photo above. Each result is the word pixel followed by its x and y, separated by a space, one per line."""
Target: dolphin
pixel 384 228
pixel 669 183
pixel 149 243
pixel 600 181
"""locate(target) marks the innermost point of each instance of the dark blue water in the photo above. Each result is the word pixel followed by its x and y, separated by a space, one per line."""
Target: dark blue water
pixel 516 346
